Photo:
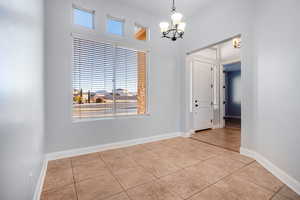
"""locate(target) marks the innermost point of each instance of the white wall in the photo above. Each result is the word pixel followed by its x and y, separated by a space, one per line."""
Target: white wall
pixel 21 97
pixel 164 84
pixel 217 22
pixel 270 72
pixel 278 104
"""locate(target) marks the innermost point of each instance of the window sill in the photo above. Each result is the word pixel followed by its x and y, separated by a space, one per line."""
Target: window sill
pixel 110 118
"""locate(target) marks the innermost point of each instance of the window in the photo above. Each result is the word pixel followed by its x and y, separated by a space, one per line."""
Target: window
pixel 140 32
pixel 107 80
pixel 115 26
pixel 83 18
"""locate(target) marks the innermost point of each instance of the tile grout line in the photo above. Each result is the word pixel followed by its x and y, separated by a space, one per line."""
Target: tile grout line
pixel 75 185
pixel 106 166
pixel 179 168
pixel 57 188
pixel 277 193
pixel 219 180
pixel 261 186
pixel 215 145
pixel 152 181
pixel 116 179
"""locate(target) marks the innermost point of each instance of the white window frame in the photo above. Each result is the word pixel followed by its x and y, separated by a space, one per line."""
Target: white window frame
pixel 120 44
pixel 93 12
pixel 122 20
pixel 141 26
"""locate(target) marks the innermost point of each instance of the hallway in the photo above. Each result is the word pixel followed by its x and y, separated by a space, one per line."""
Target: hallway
pixel 227 138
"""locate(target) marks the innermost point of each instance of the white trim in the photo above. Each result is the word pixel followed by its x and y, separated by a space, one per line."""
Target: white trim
pixel 111 117
pixel 212 45
pixel 120 42
pixel 93 149
pixel 188 134
pixel 205 59
pixel 103 147
pixel 94 38
pixel 40 182
pixel 230 61
pixel 276 171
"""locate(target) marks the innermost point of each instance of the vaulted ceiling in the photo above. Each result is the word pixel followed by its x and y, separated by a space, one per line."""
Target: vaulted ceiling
pixel 163 7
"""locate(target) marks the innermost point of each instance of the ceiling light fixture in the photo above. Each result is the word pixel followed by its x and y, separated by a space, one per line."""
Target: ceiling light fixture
pixel 176 29
pixel 236 43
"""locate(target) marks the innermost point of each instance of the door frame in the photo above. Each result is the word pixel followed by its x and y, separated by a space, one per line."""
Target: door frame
pixel 188 115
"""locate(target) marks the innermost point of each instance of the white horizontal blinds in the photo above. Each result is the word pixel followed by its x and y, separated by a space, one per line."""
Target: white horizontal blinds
pixel 107 80
pixel 126 73
pixel 93 73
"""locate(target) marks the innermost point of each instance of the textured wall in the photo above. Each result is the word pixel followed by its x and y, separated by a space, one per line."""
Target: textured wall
pixel 21 97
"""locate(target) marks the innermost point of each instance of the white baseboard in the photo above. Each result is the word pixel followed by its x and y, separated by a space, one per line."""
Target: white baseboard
pixel 103 147
pixel 188 134
pixel 98 148
pixel 276 171
pixel 40 183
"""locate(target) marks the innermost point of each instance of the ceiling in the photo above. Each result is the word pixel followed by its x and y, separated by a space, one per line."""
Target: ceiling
pixel 163 7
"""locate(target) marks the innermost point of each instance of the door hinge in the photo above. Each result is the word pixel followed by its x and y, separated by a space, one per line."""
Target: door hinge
pixel 212 86
pixel 212 103
pixel 212 69
pixel 211 121
pixel 224 102
pixel 224 86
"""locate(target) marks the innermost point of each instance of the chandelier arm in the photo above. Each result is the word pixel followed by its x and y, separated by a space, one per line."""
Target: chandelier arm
pixel 165 36
pixel 174 32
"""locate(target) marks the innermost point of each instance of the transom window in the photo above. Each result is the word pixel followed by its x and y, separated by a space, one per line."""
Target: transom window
pixel 115 26
pixel 140 32
pixel 108 80
pixel 83 17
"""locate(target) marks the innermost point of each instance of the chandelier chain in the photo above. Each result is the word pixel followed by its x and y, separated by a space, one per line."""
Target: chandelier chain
pixel 173 6
pixel 175 29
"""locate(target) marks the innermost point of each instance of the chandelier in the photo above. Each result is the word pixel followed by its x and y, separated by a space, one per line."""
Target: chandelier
pixel 174 30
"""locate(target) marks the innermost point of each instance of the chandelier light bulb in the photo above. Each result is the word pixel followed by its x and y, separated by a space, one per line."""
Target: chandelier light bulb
pixel 176 18
pixel 181 26
pixel 164 26
pixel 236 43
pixel 174 29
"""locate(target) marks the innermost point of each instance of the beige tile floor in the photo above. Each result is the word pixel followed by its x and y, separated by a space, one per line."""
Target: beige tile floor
pixel 228 138
pixel 173 169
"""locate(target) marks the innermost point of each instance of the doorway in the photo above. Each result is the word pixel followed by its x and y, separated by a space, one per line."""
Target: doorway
pixel 216 94
pixel 232 95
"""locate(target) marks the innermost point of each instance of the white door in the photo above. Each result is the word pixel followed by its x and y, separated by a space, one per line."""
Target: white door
pixel 202 106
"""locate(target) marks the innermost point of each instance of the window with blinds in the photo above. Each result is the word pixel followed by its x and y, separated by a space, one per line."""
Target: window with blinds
pixel 108 80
